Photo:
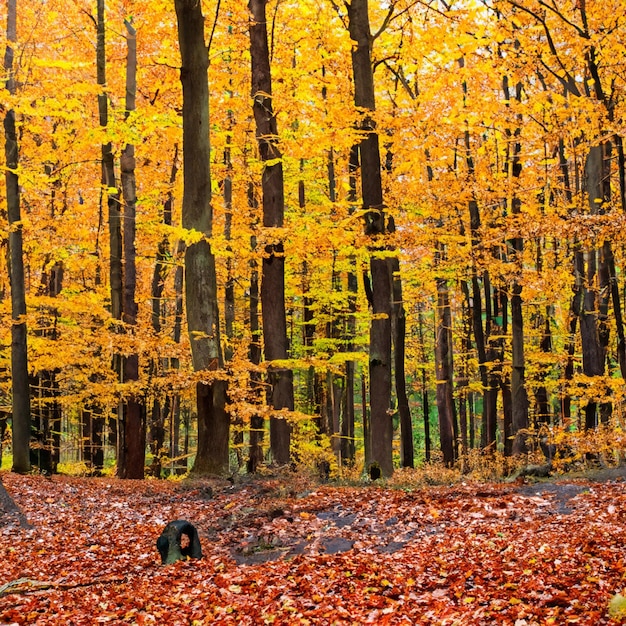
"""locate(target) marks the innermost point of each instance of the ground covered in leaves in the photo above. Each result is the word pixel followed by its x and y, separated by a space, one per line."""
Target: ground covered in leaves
pixel 278 552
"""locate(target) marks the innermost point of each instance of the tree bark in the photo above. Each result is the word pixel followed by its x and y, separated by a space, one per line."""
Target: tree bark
pixel 425 402
pixel 519 395
pixel 593 319
pixel 273 312
pixel 109 191
pixel 200 275
pixel 161 409
pixel 132 444
pixel 399 354
pixel 381 425
pixel 20 388
pixel 444 373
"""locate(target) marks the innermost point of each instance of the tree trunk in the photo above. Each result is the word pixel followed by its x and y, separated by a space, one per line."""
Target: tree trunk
pixel 200 275
pixel 132 445
pixel 381 425
pixel 108 181
pixel 399 352
pixel 519 395
pixel 348 442
pixel 444 373
pixel 46 412
pixel 257 432
pixel 160 409
pixel 110 191
pixel 425 402
pixel 273 312
pixel 593 321
pixel 20 389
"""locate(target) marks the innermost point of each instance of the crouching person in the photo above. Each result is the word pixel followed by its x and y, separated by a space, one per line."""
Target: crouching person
pixel 178 541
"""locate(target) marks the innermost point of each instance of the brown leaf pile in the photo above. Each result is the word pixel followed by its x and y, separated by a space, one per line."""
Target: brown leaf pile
pixel 275 554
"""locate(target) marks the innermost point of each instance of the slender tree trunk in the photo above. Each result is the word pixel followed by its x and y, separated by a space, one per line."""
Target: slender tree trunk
pixel 109 183
pixel 425 402
pixel 542 411
pixel 444 373
pixel 596 290
pixel 212 456
pixel 375 226
pixel 519 396
pixel 109 191
pixel 20 388
pixel 161 409
pixel 348 448
pixel 132 445
pixel 175 417
pixel 399 354
pixel 273 266
pixel 46 413
pixel 256 420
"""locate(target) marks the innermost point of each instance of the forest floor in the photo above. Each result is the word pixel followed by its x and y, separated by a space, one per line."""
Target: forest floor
pixel 278 551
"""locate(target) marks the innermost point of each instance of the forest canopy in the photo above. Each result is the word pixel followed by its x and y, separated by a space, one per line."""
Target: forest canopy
pixel 390 232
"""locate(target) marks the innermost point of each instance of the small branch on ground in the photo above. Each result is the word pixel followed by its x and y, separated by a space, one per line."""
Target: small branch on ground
pixel 28 585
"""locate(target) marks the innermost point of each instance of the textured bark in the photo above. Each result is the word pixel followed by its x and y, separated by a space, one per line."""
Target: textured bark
pixel 109 191
pixel 593 319
pixel 200 275
pixel 381 426
pixel 20 388
pixel 425 402
pixel 519 395
pixel 348 442
pixel 132 439
pixel 108 181
pixel 399 353
pixel 256 421
pixel 45 409
pixel 444 374
pixel 273 312
pixel 160 410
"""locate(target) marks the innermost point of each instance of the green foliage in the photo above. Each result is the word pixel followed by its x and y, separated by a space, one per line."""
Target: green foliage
pixel 312 451
pixel 617 607
pixel 7 461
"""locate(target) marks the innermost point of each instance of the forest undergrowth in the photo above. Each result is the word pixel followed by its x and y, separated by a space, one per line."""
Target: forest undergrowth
pixel 285 549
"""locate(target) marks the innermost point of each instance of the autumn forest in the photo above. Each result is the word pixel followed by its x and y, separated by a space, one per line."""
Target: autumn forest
pixel 331 235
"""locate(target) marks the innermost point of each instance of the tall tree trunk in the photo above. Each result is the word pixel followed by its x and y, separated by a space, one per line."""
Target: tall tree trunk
pixel 175 411
pixel 46 412
pixel 399 354
pixel 593 322
pixel 381 431
pixel 256 420
pixel 161 409
pixel 348 442
pixel 444 373
pixel 108 181
pixel 212 456
pixel 273 312
pixel 132 444
pixel 519 396
pixel 576 300
pixel 20 388
pixel 425 402
pixel 109 191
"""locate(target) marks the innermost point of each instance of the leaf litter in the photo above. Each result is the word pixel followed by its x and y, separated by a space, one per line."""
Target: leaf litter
pixel 276 552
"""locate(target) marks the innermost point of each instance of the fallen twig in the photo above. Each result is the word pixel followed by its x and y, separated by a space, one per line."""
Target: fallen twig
pixel 28 585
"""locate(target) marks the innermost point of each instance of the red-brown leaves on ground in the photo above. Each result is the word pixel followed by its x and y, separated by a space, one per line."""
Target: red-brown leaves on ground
pixel 470 554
